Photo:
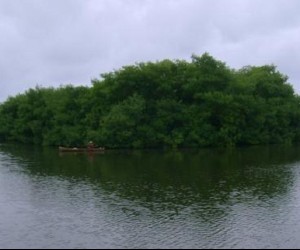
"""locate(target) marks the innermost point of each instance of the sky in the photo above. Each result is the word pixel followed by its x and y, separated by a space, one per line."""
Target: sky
pixel 51 43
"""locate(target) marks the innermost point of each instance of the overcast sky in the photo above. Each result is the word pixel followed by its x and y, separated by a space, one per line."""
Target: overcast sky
pixel 57 42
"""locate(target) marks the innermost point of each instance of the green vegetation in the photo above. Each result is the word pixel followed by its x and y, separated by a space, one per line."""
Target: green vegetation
pixel 163 104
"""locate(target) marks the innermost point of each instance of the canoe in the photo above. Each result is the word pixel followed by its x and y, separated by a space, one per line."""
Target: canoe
pixel 74 149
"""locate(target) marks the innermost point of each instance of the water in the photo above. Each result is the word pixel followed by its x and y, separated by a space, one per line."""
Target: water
pixel 233 198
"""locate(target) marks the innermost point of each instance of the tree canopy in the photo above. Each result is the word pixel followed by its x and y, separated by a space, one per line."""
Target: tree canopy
pixel 160 104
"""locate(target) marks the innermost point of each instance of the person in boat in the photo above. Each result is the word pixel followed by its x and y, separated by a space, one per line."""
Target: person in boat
pixel 91 145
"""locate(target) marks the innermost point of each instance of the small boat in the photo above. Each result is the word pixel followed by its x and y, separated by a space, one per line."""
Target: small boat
pixel 75 149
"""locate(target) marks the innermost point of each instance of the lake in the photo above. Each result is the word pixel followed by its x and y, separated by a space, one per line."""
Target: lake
pixel 202 198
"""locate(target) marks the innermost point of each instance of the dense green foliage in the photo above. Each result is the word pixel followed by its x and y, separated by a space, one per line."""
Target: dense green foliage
pixel 162 104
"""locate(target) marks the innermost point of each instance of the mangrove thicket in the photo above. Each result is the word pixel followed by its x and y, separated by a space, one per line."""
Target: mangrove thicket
pixel 168 103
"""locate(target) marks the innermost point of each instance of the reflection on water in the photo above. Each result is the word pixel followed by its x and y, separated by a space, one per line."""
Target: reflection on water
pixel 208 198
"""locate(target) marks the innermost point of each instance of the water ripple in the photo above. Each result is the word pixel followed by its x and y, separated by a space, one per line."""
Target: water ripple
pixel 107 205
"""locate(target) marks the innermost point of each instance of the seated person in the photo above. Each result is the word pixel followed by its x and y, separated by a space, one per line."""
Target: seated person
pixel 91 145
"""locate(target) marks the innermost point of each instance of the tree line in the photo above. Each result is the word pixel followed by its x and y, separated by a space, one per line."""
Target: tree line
pixel 168 103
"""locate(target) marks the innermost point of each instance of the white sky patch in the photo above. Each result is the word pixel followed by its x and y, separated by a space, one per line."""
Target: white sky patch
pixel 54 42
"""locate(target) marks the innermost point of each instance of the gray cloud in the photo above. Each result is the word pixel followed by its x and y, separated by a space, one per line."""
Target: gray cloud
pixel 54 42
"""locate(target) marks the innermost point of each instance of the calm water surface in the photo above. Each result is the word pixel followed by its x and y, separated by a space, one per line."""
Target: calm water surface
pixel 234 198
